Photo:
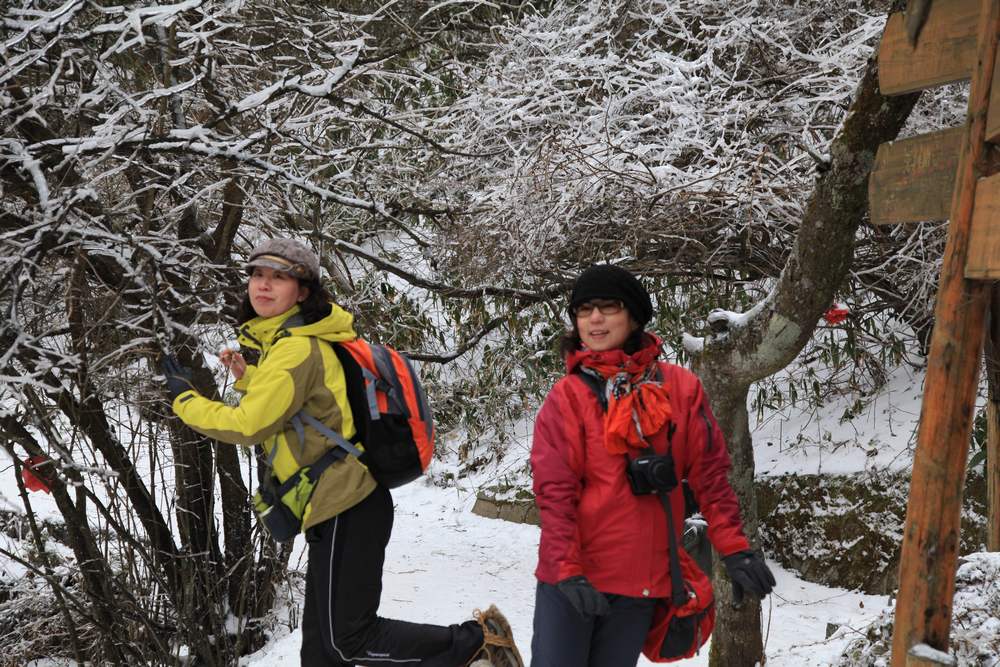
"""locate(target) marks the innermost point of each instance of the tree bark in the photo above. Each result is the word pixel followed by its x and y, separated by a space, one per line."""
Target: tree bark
pixel 778 328
pixel 729 405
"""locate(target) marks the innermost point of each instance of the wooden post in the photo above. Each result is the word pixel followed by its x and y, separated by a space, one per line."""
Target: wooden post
pixel 992 468
pixel 931 534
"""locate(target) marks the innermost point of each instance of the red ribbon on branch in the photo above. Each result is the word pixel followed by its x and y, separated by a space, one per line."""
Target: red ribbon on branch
pixel 836 314
pixel 34 478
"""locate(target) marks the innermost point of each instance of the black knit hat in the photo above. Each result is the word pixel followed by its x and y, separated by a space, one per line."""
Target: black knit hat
pixel 606 281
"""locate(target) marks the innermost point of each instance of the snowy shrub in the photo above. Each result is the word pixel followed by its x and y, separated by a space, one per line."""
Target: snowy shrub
pixel 32 623
pixel 975 623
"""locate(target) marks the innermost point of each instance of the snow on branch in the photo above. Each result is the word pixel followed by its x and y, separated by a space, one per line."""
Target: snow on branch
pixel 296 83
pixel 442 288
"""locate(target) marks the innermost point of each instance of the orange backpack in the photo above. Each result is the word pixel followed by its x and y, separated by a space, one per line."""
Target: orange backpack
pixel 393 419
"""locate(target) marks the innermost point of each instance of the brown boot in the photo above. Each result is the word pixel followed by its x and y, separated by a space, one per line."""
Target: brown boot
pixel 498 649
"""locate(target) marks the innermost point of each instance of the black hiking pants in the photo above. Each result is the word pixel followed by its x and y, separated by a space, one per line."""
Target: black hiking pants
pixel 340 625
pixel 565 638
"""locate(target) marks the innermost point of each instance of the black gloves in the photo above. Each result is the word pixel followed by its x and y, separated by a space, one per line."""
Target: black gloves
pixel 178 378
pixel 583 596
pixel 748 572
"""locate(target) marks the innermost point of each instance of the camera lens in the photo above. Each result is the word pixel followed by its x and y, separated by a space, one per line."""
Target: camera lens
pixel 661 474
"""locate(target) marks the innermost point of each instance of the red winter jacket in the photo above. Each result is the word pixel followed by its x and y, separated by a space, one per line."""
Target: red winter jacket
pixel 592 524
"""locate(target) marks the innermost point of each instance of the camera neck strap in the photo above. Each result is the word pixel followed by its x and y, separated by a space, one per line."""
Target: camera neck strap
pixel 600 388
pixel 678 592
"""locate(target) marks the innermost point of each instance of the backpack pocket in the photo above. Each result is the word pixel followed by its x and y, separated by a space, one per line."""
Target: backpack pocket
pixel 390 452
pixel 275 516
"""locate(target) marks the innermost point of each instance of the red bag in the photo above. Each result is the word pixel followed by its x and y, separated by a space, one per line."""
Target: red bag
pixel 678 632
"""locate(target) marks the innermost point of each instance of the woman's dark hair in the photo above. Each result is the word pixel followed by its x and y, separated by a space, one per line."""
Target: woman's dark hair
pixel 315 307
pixel 571 342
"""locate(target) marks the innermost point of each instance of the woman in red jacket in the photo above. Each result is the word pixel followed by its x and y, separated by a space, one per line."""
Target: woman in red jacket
pixel 603 559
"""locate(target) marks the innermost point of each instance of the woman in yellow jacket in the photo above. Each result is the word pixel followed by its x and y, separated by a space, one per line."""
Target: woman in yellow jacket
pixel 289 317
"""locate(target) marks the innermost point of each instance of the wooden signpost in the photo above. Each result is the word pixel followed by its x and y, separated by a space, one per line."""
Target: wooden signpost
pixel 911 181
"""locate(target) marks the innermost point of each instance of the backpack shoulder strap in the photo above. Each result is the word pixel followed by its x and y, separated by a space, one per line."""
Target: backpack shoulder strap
pixel 597 386
pixel 353 374
pixel 334 437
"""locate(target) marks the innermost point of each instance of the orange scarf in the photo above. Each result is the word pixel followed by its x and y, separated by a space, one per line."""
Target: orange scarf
pixel 638 402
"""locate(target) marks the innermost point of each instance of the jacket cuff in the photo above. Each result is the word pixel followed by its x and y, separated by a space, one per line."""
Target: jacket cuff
pixel 241 384
pixel 182 398
pixel 734 546
pixel 567 570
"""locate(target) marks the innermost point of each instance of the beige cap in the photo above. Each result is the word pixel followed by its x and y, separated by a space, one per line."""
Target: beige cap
pixel 288 255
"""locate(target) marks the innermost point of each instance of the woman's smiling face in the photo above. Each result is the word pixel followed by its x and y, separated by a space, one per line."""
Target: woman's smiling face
pixel 273 292
pixel 604 324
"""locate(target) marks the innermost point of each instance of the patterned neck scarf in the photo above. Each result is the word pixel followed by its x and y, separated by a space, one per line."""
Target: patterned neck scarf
pixel 638 401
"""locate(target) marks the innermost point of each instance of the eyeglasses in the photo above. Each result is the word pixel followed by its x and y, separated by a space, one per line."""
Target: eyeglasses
pixel 606 308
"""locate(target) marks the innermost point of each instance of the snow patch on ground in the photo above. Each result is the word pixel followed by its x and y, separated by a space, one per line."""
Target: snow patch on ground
pixel 838 438
pixel 443 562
pixel 975 627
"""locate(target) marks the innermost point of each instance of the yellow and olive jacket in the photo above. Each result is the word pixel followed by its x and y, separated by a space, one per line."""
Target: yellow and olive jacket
pixel 297 370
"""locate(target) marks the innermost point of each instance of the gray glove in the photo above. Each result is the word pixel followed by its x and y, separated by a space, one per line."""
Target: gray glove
pixel 583 596
pixel 749 573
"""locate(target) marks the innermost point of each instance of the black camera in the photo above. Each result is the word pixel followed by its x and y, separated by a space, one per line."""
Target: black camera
pixel 651 473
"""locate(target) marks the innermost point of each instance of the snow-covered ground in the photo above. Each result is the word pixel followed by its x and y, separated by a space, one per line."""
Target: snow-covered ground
pixel 880 434
pixel 444 562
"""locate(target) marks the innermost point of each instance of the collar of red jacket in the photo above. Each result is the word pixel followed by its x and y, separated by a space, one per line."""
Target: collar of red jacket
pixel 629 363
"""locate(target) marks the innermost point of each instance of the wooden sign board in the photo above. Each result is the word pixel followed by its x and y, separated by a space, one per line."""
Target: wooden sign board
pixel 983 262
pixel 945 52
pixel 912 179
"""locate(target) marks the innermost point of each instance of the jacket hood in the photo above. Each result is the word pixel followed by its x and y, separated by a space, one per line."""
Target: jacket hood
pixel 261 332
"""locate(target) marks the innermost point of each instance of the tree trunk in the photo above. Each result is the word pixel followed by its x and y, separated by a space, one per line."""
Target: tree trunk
pixel 730 406
pixel 733 358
